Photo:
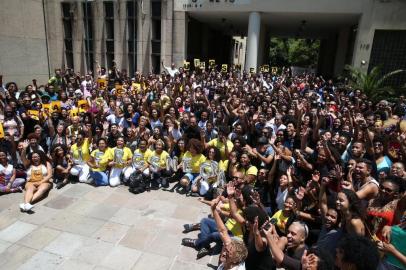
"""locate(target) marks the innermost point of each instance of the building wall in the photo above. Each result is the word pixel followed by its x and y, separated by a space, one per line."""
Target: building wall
pixel 23 52
pixel 388 15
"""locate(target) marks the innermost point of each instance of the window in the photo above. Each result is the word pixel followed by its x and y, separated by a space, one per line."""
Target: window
pixel 67 18
pixel 132 35
pixel 88 25
pixel 156 6
pixel 109 26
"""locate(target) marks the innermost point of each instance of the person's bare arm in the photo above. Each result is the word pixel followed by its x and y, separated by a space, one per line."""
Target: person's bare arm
pixel 233 206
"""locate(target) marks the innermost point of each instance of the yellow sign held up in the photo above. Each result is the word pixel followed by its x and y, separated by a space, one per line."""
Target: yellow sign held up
pixel 186 65
pixel 34 114
pixel 1 131
pixel 102 83
pixel 56 106
pixel 119 90
pixel 74 112
pixel 83 105
pixel 265 68
pixel 274 70
pixel 212 63
pixel 237 66
pixel 47 109
pixel 252 70
pixel 224 68
pixel 196 62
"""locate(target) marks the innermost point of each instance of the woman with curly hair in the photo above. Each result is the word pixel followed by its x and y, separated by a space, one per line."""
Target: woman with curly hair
pixel 352 213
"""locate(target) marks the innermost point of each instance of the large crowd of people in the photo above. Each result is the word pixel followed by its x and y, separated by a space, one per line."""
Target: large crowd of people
pixel 299 172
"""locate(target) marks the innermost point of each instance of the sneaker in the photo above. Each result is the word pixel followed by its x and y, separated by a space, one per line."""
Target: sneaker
pixel 191 227
pixel 189 242
pixel 22 207
pixel 28 207
pixel 202 252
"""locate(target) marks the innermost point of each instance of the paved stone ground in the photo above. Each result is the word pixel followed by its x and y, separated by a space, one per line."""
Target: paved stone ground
pixel 83 227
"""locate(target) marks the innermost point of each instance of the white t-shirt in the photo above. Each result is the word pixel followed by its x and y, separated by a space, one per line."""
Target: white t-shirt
pixel 7 171
pixel 241 266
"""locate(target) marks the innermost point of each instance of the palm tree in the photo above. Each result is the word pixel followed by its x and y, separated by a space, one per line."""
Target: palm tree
pixel 372 83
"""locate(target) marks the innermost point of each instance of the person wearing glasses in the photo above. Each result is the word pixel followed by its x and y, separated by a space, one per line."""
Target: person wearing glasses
pixel 383 162
pixel 381 210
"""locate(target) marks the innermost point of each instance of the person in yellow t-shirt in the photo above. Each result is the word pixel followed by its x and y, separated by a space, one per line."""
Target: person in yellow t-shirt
pixel 250 172
pixel 80 153
pixel 157 165
pixel 98 162
pixel 191 161
pixel 282 216
pixel 221 143
pixel 120 157
pixel 139 160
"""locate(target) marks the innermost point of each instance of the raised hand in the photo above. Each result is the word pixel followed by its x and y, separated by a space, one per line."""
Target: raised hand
pixel 316 176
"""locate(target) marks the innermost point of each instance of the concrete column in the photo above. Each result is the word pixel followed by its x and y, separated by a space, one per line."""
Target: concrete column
pixel 342 48
pixel 79 60
pixel 55 34
pixel 167 31
pixel 254 28
pixel 98 40
pixel 180 37
pixel 144 43
pixel 363 42
pixel 120 34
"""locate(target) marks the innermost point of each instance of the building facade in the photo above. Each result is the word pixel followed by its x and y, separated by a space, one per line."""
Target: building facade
pixel 37 36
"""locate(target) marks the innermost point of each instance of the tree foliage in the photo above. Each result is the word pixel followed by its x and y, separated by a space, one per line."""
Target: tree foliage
pixel 373 82
pixel 294 52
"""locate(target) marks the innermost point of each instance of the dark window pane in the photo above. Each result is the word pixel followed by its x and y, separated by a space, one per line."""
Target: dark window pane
pixel 69 59
pixel 110 46
pixel 67 26
pixel 109 9
pixel 156 29
pixel 109 29
pixel 156 47
pixel 156 8
pixel 66 9
pixel 68 45
pixel 131 9
pixel 87 9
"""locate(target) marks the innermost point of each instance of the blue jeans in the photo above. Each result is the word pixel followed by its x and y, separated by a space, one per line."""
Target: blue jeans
pixel 100 178
pixel 208 233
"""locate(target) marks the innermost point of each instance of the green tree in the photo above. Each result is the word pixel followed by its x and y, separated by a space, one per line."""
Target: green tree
pixel 294 52
pixel 372 83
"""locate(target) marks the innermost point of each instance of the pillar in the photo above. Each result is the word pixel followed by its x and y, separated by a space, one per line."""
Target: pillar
pixel 180 37
pixel 254 28
pixel 98 36
pixel 166 33
pixel 342 48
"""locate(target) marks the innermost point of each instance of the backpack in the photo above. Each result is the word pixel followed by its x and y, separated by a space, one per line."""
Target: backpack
pixel 137 183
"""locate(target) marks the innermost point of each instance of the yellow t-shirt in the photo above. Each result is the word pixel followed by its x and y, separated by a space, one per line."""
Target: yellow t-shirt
pixel 281 220
pixel 252 170
pixel 158 160
pixel 192 163
pixel 141 158
pixel 223 165
pixel 82 153
pixel 101 158
pixel 221 147
pixel 232 225
pixel 120 156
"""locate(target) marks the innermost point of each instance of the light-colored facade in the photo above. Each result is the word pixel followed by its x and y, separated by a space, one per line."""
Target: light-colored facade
pixel 37 36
